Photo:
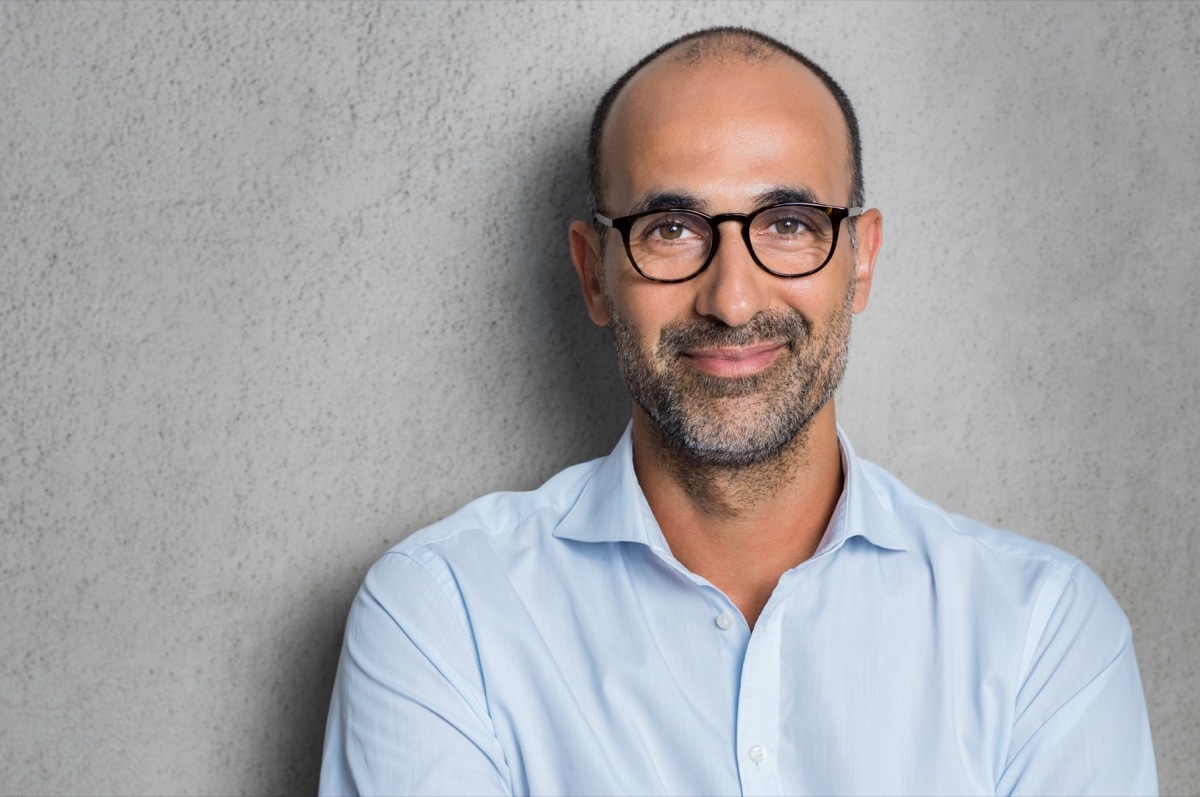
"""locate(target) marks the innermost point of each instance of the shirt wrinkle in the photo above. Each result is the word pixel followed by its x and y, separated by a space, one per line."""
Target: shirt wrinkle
pixel 1048 599
pixel 454 601
pixel 1067 700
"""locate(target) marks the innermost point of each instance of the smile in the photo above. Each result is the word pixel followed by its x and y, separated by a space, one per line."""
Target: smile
pixel 738 361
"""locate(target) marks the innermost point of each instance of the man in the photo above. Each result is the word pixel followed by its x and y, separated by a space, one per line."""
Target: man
pixel 732 601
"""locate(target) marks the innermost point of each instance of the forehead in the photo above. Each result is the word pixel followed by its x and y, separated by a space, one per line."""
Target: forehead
pixel 724 131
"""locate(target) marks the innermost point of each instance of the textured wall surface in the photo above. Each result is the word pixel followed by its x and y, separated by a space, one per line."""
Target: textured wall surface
pixel 280 284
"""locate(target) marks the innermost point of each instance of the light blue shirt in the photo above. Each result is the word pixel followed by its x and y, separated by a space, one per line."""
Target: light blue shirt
pixel 549 643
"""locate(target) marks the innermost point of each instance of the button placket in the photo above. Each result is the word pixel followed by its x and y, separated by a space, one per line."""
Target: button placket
pixel 758 709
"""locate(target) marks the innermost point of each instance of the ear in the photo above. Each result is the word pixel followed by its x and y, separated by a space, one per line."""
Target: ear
pixel 869 232
pixel 585 254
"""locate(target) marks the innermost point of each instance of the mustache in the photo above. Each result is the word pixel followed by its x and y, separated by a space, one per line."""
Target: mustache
pixel 706 333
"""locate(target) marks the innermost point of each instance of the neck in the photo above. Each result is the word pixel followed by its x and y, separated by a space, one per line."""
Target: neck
pixel 742 527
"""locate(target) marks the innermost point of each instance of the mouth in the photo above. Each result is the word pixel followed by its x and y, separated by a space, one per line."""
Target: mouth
pixel 735 361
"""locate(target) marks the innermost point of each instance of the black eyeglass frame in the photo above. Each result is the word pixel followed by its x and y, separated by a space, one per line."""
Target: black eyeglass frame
pixel 835 213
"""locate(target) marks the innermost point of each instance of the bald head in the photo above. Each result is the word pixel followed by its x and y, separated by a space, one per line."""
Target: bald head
pixel 716 45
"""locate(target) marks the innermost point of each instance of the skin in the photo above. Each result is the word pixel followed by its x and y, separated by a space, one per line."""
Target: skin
pixel 727 132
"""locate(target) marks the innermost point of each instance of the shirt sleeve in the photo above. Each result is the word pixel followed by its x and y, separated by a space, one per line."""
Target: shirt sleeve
pixel 1081 726
pixel 408 714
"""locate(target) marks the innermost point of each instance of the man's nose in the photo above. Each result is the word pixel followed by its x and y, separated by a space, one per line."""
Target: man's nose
pixel 733 289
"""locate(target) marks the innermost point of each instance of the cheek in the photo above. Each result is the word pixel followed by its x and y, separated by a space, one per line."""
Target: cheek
pixel 646 306
pixel 810 298
pixel 815 296
pixel 639 332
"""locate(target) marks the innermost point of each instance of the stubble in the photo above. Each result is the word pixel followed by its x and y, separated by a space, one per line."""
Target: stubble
pixel 745 434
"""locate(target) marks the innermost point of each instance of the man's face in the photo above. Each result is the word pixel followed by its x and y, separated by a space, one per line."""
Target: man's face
pixel 734 363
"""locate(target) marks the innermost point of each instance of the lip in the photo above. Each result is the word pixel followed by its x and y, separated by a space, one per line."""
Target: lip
pixel 736 361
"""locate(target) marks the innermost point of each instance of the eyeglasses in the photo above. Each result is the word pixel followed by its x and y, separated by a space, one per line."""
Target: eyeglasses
pixel 790 240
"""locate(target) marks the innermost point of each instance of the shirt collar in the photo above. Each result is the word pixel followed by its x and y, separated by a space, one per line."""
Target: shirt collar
pixel 861 510
pixel 612 508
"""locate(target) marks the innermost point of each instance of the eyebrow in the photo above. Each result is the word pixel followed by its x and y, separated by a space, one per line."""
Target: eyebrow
pixel 664 200
pixel 787 194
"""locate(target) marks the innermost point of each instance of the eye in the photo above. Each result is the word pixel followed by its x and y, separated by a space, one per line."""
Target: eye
pixel 794 223
pixel 670 230
pixel 788 225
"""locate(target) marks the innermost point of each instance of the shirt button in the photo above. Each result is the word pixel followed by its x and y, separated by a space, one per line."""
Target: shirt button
pixel 758 753
pixel 724 621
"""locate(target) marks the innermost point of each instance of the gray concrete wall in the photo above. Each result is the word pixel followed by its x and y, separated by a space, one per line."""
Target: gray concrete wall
pixel 280 284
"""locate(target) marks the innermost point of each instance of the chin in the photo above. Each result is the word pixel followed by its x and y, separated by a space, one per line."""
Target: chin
pixel 751 436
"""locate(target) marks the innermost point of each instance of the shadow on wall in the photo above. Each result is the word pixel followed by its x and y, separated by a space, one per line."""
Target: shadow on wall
pixel 292 719
pixel 580 406
pixel 574 411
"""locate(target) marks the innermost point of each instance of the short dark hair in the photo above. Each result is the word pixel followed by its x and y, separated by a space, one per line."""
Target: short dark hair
pixel 698 46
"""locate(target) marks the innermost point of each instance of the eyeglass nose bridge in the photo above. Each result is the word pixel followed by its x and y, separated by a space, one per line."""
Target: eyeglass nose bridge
pixel 743 219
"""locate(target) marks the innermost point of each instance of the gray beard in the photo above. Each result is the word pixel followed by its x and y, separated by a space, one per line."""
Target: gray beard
pixel 695 416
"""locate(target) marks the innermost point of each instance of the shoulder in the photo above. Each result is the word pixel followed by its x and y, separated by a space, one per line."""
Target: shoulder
pixel 470 548
pixel 1053 647
pixel 925 525
pixel 493 518
pixel 999 570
